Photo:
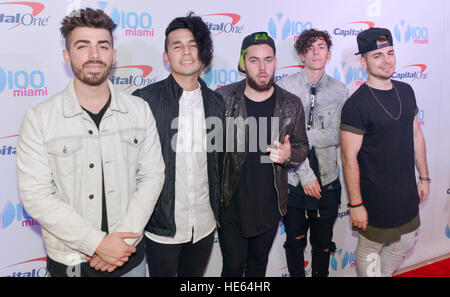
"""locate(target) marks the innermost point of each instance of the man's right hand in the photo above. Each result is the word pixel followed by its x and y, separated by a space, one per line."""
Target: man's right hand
pixel 359 218
pixel 313 189
pixel 113 249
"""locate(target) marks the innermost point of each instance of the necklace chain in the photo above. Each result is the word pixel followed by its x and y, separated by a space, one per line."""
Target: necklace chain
pixel 399 101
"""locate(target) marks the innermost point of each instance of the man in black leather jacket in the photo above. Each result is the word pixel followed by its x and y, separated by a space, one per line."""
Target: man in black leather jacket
pixel 180 233
pixel 255 184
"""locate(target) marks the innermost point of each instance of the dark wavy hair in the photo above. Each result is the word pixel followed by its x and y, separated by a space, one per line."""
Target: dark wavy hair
pixel 308 37
pixel 87 17
pixel 201 33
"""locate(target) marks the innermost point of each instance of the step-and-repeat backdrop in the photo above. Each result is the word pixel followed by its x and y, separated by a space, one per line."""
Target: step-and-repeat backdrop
pixel 32 69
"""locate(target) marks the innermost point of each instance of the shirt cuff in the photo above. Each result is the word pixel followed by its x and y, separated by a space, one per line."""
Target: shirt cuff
pixel 352 129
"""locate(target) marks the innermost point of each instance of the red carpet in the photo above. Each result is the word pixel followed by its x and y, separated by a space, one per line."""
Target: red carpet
pixel 438 269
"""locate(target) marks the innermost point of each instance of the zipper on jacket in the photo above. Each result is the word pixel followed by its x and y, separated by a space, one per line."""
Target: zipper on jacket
pixel 276 188
pixel 223 174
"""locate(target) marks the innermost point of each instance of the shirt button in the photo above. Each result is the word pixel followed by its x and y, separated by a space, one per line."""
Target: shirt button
pixel 91 132
pixel 91 165
pixel 91 197
pixel 136 141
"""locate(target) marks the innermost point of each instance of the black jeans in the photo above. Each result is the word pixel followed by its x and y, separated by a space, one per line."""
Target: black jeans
pixel 320 222
pixel 244 256
pixel 182 260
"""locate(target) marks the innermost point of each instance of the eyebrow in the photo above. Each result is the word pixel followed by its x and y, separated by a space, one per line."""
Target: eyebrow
pixel 321 42
pixel 179 41
pixel 254 57
pixel 89 42
pixel 381 53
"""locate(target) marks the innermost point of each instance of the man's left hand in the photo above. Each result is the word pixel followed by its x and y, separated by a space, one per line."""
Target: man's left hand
pixel 423 187
pixel 98 264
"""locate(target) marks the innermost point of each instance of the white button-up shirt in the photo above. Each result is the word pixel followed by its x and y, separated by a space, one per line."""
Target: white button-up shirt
pixel 194 218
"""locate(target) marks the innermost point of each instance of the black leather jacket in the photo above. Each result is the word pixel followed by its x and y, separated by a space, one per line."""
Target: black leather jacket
pixel 163 98
pixel 289 110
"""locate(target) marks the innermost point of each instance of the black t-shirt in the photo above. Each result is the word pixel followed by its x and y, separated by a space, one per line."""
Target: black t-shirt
pixel 97 118
pixel 256 200
pixel 60 270
pixel 386 157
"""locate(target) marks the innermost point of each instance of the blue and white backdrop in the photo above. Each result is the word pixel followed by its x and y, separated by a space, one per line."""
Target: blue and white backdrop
pixel 32 69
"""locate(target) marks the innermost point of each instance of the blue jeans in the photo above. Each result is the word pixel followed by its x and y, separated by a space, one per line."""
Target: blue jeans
pixel 138 271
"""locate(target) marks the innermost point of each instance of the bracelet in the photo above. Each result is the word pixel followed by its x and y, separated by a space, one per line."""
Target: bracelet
pixel 428 179
pixel 354 205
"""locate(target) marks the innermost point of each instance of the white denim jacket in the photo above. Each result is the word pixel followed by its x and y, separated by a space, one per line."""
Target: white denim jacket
pixel 324 136
pixel 60 155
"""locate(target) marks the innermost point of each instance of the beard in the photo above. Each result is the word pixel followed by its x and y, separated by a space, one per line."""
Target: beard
pixel 260 87
pixel 381 75
pixel 89 78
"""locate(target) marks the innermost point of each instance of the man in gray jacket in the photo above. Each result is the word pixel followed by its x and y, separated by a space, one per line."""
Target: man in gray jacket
pixel 314 186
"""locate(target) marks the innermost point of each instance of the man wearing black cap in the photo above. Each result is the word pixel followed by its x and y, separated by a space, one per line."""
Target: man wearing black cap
pixel 381 142
pixel 254 186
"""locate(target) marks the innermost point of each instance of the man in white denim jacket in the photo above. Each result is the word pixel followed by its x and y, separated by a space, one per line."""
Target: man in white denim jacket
pixel 89 162
pixel 314 186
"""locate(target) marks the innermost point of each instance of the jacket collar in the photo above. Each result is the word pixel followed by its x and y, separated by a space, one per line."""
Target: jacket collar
pixel 240 90
pixel 71 106
pixel 305 81
pixel 177 90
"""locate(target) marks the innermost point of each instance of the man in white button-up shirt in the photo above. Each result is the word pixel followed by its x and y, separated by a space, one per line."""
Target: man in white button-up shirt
pixel 180 233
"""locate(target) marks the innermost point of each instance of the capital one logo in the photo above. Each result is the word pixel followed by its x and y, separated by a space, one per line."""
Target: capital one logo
pixel 8 150
pixel 220 77
pixel 285 71
pixel 342 259
pixel 135 24
pixel 26 19
pixel 35 272
pixel 219 23
pixel 413 72
pixel 281 27
pixel 404 32
pixel 348 74
pixel 352 31
pixel 132 78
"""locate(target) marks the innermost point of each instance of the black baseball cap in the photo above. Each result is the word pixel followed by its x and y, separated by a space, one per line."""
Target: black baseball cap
pixel 253 39
pixel 367 40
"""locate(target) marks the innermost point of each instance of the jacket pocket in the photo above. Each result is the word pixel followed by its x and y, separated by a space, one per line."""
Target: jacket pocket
pixel 325 119
pixel 65 155
pixel 132 142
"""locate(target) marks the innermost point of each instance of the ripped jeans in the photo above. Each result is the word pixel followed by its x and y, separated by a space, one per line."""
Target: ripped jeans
pixel 320 222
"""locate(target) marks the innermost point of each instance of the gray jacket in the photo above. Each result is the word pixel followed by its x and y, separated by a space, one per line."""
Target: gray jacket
pixel 324 134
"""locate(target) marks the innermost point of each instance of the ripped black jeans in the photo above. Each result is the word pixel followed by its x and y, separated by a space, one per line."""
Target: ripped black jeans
pixel 320 222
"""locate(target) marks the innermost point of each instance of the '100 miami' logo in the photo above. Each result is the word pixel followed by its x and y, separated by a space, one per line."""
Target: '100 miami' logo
pixel 134 23
pixel 342 259
pixel 281 27
pixel 23 83
pixel 411 33
pixel 11 213
pixel 216 78
pixel 347 74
